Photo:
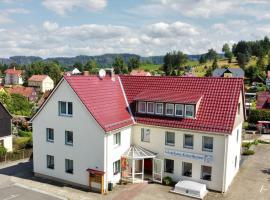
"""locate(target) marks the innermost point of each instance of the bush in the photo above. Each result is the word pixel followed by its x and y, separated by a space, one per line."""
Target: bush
pixel 248 152
pixel 258 115
pixel 3 150
pixel 263 142
pixel 22 133
pixel 246 144
pixel 167 180
pixel 23 143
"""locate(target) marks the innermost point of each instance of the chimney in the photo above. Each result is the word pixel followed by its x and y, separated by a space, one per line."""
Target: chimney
pixel 86 73
pixel 111 73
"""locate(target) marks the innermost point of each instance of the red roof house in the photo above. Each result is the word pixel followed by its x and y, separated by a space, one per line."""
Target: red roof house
pixel 263 100
pixel 28 92
pixel 139 72
pixel 13 77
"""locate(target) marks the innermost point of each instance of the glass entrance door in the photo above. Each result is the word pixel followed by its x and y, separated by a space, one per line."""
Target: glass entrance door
pixel 157 170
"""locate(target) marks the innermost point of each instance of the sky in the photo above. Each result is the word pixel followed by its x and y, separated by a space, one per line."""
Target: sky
pixel 51 28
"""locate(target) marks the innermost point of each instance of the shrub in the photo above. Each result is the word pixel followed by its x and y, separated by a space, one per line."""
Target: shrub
pixel 263 142
pixel 167 180
pixel 22 133
pixel 259 115
pixel 248 152
pixel 246 144
pixel 23 143
pixel 3 150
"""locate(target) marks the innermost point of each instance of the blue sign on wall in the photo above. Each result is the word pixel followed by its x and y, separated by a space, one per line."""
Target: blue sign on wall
pixel 192 156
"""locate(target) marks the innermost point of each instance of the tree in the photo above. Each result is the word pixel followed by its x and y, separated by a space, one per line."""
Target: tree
pixel 20 105
pixel 119 66
pixel 202 59
pixel 227 52
pixel 91 66
pixel 215 64
pixel 260 64
pixel 133 63
pixel 242 59
pixel 79 66
pixel 211 54
pixel 174 61
pixel 251 72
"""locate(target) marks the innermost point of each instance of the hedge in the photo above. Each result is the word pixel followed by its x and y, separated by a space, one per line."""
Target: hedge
pixel 258 115
pixel 24 133
pixel 3 150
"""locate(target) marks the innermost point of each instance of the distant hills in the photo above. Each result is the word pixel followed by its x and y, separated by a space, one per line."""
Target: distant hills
pixel 105 60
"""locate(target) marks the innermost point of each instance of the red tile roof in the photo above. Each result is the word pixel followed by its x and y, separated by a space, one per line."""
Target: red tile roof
pixel 103 98
pixel 13 71
pixel 168 96
pixel 262 100
pixel 24 91
pixel 218 106
pixel 37 78
pixel 139 72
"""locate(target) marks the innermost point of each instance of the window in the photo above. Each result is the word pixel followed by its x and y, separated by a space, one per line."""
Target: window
pixel 169 138
pixel 142 107
pixel 116 167
pixel 207 143
pixel 189 111
pixel 188 141
pixel 179 110
pixel 150 107
pixel 145 135
pixel 169 109
pixel 117 138
pixel 187 169
pixel 69 137
pixel 239 108
pixel 69 166
pixel 235 162
pixel 206 173
pixel 50 134
pixel 169 165
pixel 65 108
pixel 50 162
pixel 159 108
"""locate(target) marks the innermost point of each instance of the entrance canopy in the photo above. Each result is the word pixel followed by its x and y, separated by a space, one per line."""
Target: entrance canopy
pixel 136 152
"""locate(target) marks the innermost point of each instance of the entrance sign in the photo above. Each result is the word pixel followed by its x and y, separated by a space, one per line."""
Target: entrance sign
pixel 188 155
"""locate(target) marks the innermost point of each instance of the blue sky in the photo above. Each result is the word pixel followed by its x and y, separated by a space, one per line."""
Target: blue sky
pixel 50 28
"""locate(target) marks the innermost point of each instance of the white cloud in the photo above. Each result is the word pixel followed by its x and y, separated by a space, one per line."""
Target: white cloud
pixel 61 7
pixel 50 26
pixel 6 14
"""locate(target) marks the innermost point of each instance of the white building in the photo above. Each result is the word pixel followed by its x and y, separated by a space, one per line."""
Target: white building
pixel 42 83
pixel 5 128
pixel 183 127
pixel 13 77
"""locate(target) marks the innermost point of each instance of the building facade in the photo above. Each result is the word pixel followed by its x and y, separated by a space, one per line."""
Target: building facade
pixel 13 77
pixel 42 83
pixel 88 123
pixel 5 128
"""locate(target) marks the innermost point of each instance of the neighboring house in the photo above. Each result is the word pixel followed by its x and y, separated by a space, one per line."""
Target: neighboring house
pixel 5 128
pixel 229 72
pixel 42 83
pixel 13 77
pixel 268 80
pixel 139 72
pixel 92 131
pixel 28 92
pixel 75 71
pixel 263 100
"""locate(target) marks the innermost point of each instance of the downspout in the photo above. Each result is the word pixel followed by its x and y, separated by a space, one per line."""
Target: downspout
pixel 225 164
pixel 106 148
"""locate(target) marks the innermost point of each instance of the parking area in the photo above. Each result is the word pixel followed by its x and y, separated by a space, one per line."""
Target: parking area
pixel 252 182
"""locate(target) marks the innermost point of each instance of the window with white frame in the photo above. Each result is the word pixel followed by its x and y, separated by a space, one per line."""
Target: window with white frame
pixel 207 143
pixel 117 139
pixel 206 173
pixel 65 108
pixel 188 141
pixel 69 166
pixel 170 138
pixel 159 108
pixel 50 162
pixel 69 138
pixel 168 165
pixel 150 107
pixel 50 134
pixel 141 107
pixel 169 109
pixel 116 167
pixel 187 169
pixel 179 110
pixel 145 135
pixel 189 111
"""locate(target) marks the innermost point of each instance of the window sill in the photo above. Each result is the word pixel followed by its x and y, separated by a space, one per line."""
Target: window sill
pixel 170 145
pixel 207 150
pixel 69 144
pixel 52 168
pixel 50 141
pixel 64 115
pixel 69 172
pixel 145 141
pixel 116 173
pixel 169 172
pixel 188 147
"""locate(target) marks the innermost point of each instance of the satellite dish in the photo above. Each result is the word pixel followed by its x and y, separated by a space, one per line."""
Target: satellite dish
pixel 102 73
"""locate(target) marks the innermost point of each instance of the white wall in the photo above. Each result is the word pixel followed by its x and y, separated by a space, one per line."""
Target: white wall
pixel 88 148
pixel 11 79
pixel 114 153
pixel 47 84
pixel 157 145
pixel 7 142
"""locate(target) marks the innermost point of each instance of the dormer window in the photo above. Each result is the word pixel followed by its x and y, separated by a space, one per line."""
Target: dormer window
pixel 142 107
pixel 159 108
pixel 179 110
pixel 150 107
pixel 169 109
pixel 189 111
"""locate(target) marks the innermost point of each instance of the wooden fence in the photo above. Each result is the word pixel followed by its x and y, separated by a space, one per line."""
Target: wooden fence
pixel 17 155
